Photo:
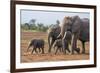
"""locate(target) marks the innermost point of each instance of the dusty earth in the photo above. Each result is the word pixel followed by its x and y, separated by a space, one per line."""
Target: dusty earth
pixel 27 36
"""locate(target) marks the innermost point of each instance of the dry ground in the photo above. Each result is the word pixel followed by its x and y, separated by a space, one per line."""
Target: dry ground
pixel 26 37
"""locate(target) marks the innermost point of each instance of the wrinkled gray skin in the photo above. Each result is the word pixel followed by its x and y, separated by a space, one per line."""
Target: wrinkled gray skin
pixel 66 41
pixel 58 45
pixel 79 29
pixel 37 44
pixel 52 36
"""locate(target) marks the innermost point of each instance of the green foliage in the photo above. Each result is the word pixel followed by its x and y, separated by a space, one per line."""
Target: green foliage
pixel 25 26
pixel 33 26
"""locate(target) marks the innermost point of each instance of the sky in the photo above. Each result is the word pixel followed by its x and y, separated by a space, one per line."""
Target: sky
pixel 48 17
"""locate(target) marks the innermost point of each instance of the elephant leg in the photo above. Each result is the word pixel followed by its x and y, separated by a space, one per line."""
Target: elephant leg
pixel 74 43
pixel 52 42
pixel 42 50
pixel 34 49
pixel 67 47
pixel 28 47
pixel 54 45
pixel 63 46
pixel 83 47
pixel 39 49
pixel 60 49
pixel 56 50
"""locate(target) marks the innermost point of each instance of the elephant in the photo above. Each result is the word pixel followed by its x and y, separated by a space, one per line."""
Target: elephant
pixel 53 32
pixel 63 44
pixel 79 29
pixel 37 44
pixel 58 45
pixel 66 41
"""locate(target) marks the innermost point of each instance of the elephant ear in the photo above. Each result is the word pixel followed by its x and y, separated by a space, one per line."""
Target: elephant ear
pixel 65 23
pixel 76 24
pixel 74 18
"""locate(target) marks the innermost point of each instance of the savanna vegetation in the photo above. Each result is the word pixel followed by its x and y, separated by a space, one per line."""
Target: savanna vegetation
pixel 34 25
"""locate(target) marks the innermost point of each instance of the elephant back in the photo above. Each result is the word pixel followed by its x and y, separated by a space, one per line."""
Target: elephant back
pixel 76 24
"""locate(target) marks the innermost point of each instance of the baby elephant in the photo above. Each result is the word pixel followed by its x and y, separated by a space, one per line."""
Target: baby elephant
pixel 66 40
pixel 37 44
pixel 58 45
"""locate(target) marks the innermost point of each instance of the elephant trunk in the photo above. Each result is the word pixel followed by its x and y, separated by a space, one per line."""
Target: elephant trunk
pixel 29 46
pixel 74 42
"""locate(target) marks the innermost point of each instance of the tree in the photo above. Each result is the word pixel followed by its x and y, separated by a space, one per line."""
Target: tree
pixel 25 26
pixel 57 22
pixel 40 26
pixel 45 28
pixel 32 23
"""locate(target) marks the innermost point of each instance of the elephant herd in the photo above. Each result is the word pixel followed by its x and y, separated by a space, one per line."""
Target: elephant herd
pixel 64 38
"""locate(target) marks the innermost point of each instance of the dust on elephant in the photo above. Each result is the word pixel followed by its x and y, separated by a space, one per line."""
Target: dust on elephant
pixel 79 28
pixel 53 33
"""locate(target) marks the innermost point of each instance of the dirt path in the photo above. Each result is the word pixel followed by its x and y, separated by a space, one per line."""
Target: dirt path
pixel 28 57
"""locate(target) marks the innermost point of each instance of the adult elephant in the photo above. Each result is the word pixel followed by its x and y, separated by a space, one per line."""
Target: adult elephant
pixel 79 29
pixel 53 33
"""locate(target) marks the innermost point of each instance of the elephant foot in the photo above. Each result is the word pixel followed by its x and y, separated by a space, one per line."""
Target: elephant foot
pixel 72 53
pixel 42 52
pixel 64 53
pixel 49 51
pixel 77 50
